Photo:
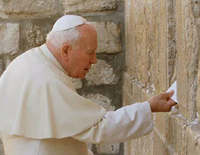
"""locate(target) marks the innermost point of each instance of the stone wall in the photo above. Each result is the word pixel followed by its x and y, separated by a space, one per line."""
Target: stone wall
pixel 25 23
pixel 162 45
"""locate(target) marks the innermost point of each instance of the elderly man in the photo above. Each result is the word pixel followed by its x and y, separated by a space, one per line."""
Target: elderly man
pixel 40 111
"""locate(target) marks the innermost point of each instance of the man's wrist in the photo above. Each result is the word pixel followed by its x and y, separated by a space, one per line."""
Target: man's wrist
pixel 151 105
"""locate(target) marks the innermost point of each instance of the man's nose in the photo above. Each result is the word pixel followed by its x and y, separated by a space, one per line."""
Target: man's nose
pixel 94 59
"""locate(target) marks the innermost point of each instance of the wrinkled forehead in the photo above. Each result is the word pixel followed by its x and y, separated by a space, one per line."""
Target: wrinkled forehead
pixel 88 36
pixel 87 30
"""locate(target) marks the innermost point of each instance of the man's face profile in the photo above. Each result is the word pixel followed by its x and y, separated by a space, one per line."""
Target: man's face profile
pixel 79 60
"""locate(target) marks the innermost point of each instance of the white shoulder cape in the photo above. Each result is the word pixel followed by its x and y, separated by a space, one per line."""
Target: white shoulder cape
pixel 38 100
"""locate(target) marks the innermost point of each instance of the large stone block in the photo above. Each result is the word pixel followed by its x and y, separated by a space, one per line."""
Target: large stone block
pixel 188 58
pixel 88 5
pixel 28 9
pixel 34 36
pixel 101 73
pixel 108 37
pixel 9 38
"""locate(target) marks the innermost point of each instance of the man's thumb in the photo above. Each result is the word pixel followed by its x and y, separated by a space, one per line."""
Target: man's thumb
pixel 171 102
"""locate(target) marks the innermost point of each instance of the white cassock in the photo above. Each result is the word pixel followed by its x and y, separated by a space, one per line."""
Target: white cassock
pixel 41 113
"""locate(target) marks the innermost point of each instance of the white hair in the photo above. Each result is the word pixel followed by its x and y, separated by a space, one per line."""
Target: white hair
pixel 71 36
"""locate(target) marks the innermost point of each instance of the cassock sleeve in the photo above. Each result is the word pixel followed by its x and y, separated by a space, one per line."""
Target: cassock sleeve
pixel 124 124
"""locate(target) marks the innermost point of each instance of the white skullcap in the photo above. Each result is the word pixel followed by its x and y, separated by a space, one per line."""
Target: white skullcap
pixel 68 21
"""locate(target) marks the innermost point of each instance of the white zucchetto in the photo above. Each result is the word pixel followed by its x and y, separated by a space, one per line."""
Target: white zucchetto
pixel 68 21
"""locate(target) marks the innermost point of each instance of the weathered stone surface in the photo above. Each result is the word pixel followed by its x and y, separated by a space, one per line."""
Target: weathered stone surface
pixel 101 73
pixel 136 91
pixel 34 36
pixel 160 147
pixel 182 136
pixel 78 84
pixel 1 149
pixel 198 78
pixel 101 100
pixel 127 81
pixel 126 148
pixel 88 5
pixel 141 146
pixel 146 145
pixel 172 41
pixel 162 45
pixel 193 139
pixel 198 96
pixel 146 38
pixel 127 100
pixel 196 8
pixel 153 59
pixel 175 133
pixel 108 149
pixel 9 38
pixel 161 123
pixel 108 37
pixel 132 147
pixel 30 9
pixel 1 66
pixel 188 58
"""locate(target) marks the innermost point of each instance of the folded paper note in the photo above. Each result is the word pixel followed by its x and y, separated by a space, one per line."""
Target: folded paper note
pixel 174 87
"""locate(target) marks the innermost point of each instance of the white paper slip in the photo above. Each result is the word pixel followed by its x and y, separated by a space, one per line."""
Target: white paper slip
pixel 173 87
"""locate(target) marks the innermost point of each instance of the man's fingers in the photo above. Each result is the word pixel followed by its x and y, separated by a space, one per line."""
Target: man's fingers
pixel 169 94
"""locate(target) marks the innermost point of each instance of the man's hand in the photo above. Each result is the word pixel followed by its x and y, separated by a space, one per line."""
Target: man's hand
pixel 162 102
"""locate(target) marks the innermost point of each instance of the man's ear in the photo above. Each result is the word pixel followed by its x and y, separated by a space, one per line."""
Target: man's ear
pixel 65 50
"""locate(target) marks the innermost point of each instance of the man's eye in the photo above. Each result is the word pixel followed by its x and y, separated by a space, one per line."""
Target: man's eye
pixel 91 52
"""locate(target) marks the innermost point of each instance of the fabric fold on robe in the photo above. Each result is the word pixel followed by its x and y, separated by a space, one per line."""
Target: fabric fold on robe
pixel 38 99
